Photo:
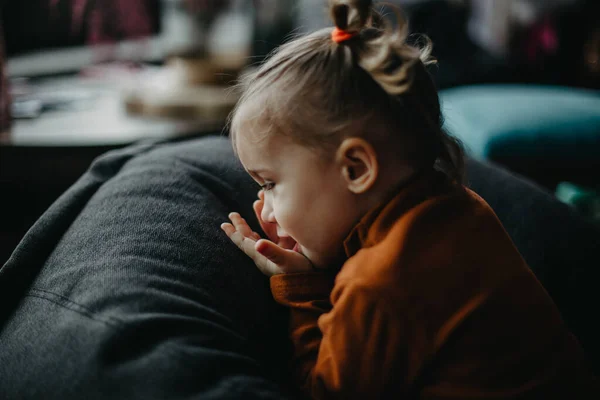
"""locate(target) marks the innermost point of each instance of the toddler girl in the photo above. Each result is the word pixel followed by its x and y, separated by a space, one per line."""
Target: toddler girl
pixel 401 282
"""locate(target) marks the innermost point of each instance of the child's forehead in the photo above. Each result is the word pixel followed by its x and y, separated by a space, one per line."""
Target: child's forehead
pixel 257 129
pixel 251 123
pixel 257 147
pixel 262 131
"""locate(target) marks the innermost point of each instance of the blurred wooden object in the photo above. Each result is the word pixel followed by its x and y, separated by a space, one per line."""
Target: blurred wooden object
pixel 187 89
pixel 208 46
pixel 98 115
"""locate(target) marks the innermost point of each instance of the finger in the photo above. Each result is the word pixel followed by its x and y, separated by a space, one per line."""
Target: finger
pixel 247 245
pixel 235 236
pixel 255 236
pixel 271 251
pixel 265 265
pixel 228 228
pixel 286 260
pixel 240 224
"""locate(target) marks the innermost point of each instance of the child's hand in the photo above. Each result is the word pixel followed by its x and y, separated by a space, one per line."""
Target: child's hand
pixel 270 258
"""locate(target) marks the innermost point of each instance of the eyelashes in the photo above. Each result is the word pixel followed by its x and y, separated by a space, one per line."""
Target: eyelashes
pixel 267 186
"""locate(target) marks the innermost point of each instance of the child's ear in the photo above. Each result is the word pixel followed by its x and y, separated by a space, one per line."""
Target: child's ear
pixel 358 162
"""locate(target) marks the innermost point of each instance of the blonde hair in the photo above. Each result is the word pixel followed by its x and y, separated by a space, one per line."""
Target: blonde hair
pixel 374 85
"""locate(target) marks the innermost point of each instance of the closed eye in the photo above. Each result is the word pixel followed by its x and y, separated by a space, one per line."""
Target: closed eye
pixel 267 186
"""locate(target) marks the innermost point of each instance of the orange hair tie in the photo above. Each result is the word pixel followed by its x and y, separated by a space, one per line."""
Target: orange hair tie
pixel 339 35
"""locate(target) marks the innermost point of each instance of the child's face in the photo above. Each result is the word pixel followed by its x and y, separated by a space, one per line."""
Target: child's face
pixel 306 196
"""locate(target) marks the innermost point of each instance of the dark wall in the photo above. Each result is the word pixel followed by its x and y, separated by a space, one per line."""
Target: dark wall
pixel 40 24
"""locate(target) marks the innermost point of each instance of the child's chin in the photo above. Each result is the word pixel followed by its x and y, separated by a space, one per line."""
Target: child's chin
pixel 327 260
pixel 317 261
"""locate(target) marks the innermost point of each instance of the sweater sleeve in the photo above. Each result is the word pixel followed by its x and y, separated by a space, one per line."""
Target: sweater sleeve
pixel 350 351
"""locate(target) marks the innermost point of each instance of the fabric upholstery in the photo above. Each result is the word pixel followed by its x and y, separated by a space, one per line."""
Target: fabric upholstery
pixel 127 289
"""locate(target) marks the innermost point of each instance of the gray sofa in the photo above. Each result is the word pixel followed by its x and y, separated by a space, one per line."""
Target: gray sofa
pixel 127 289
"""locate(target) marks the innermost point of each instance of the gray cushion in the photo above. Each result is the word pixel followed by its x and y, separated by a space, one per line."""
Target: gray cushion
pixel 127 289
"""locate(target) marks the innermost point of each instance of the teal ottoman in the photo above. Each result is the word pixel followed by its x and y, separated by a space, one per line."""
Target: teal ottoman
pixel 550 134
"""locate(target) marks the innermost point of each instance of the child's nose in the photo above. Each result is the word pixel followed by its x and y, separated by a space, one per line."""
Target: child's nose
pixel 267 214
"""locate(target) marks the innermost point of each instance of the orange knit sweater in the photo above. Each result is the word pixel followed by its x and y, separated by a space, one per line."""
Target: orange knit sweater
pixel 434 302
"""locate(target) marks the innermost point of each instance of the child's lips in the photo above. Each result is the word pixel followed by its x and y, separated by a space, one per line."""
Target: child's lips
pixel 296 248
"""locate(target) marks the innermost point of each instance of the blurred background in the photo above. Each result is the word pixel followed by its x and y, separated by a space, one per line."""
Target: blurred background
pixel 80 77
